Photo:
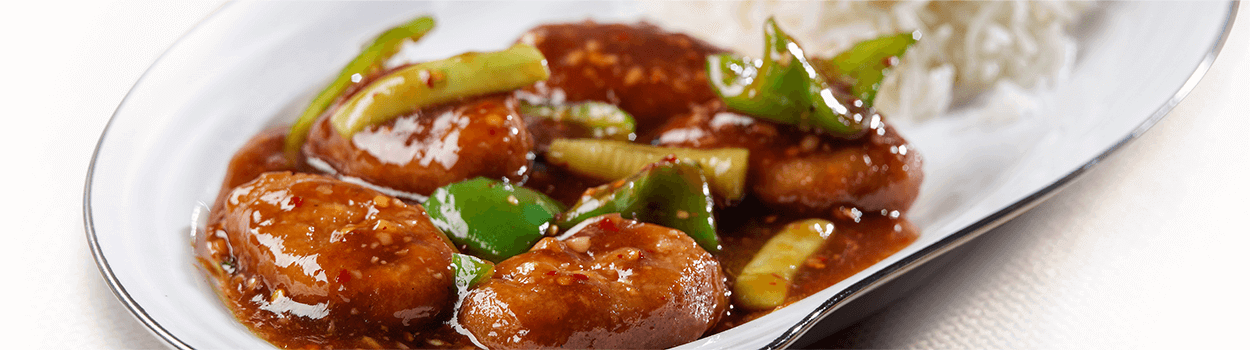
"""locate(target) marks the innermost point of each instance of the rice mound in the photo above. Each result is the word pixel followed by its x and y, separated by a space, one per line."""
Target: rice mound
pixel 966 48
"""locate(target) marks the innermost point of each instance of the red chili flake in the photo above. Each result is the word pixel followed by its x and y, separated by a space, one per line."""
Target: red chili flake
pixel 551 273
pixel 670 158
pixel 492 132
pixel 776 275
pixel 580 277
pixel 343 277
pixel 297 201
pixel 607 225
pixel 621 37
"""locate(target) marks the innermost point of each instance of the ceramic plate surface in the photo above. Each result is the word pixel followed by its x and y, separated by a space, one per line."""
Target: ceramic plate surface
pixel 163 155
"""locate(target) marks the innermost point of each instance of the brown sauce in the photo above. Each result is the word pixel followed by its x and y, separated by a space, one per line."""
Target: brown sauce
pixel 861 239
pixel 854 247
pixel 744 229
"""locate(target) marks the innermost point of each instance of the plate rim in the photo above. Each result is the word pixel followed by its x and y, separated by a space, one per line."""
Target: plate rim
pixel 791 334
pixel 97 253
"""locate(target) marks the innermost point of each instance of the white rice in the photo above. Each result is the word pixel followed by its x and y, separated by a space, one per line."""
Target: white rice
pixel 966 47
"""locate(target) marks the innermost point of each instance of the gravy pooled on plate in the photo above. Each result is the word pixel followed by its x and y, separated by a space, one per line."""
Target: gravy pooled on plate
pixel 593 186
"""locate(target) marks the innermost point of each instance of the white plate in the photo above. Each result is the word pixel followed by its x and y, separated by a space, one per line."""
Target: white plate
pixel 250 65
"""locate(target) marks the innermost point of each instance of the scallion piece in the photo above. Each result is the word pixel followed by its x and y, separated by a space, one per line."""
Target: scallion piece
pixel 725 168
pixel 441 81
pixel 765 281
pixel 369 60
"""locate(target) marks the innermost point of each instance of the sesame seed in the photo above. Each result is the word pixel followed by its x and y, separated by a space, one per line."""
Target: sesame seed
pixel 579 244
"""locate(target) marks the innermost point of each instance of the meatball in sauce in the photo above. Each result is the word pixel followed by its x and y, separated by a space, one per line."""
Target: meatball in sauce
pixel 308 260
pixel 615 283
pixel 799 171
pixel 647 72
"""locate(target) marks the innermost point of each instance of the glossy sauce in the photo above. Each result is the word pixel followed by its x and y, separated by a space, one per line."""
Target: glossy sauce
pixel 743 229
pixel 854 246
pixel 578 291
pixel 319 260
pixel 865 187
pixel 432 147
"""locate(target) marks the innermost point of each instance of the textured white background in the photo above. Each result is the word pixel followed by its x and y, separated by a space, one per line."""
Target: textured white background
pixel 1146 250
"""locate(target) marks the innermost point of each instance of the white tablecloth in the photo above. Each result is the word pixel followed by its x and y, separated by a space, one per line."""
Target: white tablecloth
pixel 1146 250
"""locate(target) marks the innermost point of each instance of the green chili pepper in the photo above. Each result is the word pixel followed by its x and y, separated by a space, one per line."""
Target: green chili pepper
pixel 669 193
pixel 725 168
pixel 470 270
pixel 765 281
pixel 491 219
pixel 441 81
pixel 783 86
pixel 864 65
pixel 369 60
pixel 600 120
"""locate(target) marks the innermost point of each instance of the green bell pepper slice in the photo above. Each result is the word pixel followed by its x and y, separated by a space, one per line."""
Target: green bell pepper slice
pixel 368 61
pixel 470 270
pixel 491 219
pixel 435 82
pixel 599 120
pixel 668 193
pixel 765 281
pixel 782 86
pixel 865 65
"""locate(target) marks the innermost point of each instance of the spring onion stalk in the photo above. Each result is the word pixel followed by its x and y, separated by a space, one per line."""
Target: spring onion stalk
pixel 368 61
pixel 765 281
pixel 725 168
pixel 441 81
